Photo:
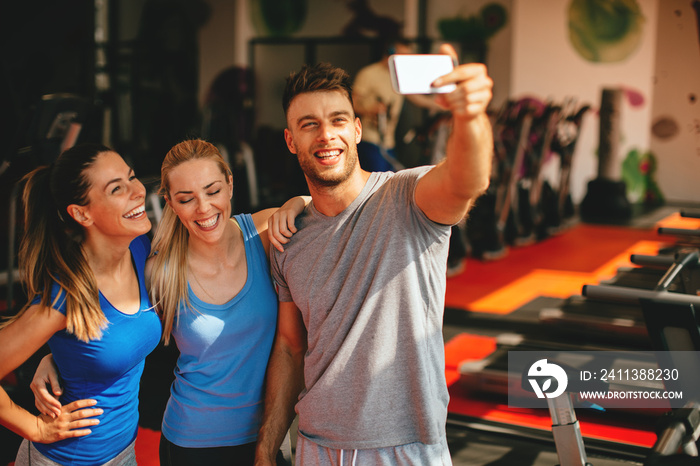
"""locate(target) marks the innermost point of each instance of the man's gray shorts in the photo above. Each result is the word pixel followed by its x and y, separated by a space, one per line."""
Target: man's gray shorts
pixel 309 453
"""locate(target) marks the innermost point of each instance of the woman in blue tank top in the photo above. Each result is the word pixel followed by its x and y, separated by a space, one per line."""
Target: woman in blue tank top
pixel 83 256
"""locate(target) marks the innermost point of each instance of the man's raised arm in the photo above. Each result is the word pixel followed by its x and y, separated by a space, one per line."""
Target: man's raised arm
pixel 446 193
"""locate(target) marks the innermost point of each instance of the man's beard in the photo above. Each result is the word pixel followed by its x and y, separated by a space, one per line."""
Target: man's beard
pixel 328 180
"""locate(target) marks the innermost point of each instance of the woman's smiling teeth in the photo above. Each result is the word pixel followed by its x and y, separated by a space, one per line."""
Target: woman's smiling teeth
pixel 136 213
pixel 208 223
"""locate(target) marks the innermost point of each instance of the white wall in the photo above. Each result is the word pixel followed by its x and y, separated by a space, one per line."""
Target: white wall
pixel 545 65
pixel 677 98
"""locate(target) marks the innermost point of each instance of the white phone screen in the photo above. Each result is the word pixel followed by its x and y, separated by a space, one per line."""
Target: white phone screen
pixel 413 73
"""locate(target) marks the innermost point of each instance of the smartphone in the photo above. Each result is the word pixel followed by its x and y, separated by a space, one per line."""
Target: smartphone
pixel 413 73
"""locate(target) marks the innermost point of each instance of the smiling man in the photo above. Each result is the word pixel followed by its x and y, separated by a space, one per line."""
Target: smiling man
pixel 359 352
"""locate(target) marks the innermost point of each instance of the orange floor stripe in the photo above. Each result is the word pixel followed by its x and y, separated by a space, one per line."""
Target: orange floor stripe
pixel 585 254
pixel 479 347
pixel 676 221
pixel 555 283
pixel 609 269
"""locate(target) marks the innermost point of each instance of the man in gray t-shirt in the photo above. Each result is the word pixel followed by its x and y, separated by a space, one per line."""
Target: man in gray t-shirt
pixel 361 284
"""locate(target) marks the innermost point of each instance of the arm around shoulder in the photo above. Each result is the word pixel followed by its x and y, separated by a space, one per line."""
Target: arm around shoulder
pixel 280 224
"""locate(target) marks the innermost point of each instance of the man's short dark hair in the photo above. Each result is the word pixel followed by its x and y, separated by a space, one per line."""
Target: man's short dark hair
pixel 312 78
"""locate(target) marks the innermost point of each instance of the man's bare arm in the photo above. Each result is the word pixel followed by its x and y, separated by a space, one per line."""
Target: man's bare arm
pixel 446 193
pixel 284 382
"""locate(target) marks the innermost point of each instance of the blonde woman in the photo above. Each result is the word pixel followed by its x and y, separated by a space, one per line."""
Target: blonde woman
pixel 211 281
pixel 83 258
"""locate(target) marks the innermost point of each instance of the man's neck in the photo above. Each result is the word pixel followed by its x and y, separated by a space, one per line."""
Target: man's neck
pixel 332 200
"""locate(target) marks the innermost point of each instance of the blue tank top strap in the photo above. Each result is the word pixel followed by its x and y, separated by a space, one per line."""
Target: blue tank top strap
pixel 251 238
pixel 245 222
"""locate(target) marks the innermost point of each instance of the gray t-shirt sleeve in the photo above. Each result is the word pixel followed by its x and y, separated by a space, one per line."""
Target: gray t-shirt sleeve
pixel 281 287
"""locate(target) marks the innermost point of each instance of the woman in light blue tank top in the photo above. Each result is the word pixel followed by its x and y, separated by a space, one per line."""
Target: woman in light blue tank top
pixel 211 281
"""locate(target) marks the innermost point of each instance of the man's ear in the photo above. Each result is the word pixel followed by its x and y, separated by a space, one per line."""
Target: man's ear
pixel 358 130
pixel 79 214
pixel 290 141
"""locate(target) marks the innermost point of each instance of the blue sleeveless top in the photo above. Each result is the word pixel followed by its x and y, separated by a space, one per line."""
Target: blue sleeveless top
pixel 217 396
pixel 107 370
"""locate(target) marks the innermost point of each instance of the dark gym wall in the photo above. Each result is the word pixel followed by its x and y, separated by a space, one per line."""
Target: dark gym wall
pixel 45 47
pixel 164 79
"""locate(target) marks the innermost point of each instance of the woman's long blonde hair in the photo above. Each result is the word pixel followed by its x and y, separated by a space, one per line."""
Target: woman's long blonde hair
pixel 51 250
pixel 168 285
